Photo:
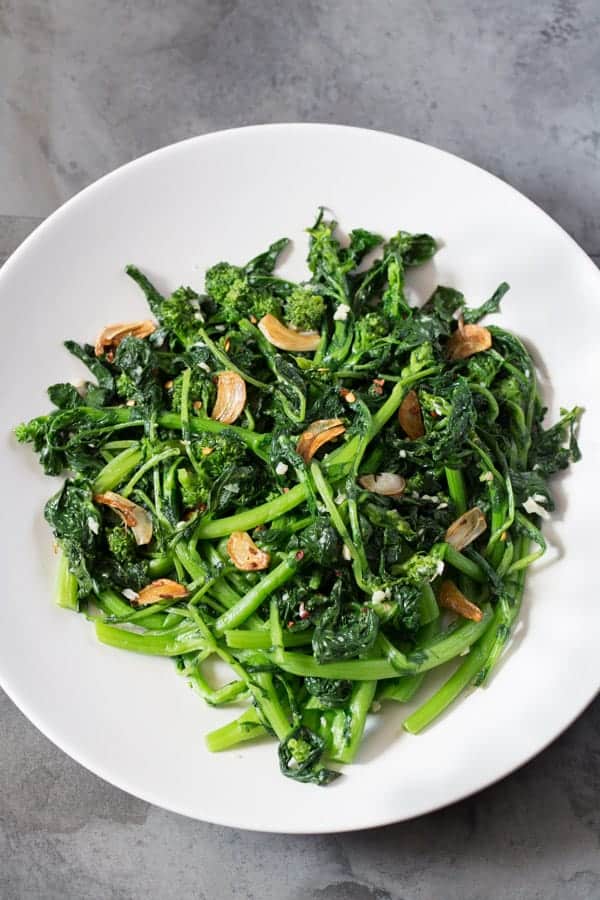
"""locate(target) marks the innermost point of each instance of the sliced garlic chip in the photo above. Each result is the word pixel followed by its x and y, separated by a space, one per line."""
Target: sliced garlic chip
pixel 132 515
pixel 286 338
pixel 386 484
pixel 244 553
pixel 111 336
pixel 161 589
pixel 468 340
pixel 317 434
pixel 451 598
pixel 466 528
pixel 231 398
pixel 411 417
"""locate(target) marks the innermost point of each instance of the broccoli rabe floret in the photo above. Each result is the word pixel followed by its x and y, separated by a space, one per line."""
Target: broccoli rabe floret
pixel 199 384
pixel 180 314
pixel 194 488
pixel 234 297
pixel 121 543
pixel 304 309
pixel 214 453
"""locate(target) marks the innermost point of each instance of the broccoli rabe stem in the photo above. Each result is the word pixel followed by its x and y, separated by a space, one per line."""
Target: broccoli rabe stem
pixel 456 489
pixel 432 654
pixel 358 709
pixel 65 589
pixel 404 688
pixel 250 518
pixel 246 639
pixel 113 605
pixel 174 642
pixel 250 602
pixel 461 563
pixel 155 460
pixel 246 727
pixel 118 469
pixel 480 661
pixel 429 610
pixel 260 685
pixel 450 690
pixel 215 696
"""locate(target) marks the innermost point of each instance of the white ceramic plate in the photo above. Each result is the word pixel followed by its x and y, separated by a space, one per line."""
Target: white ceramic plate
pixel 130 719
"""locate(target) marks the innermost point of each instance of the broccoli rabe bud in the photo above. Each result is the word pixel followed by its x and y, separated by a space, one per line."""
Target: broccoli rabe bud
pixel 121 543
pixel 194 490
pixel 235 298
pixel 180 314
pixel 304 309
pixel 199 381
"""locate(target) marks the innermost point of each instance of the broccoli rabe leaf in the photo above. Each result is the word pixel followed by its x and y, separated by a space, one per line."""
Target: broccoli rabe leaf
pixel 489 307
pixel 299 757
pixel 76 524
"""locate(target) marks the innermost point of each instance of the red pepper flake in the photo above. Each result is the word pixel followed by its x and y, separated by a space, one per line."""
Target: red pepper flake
pixel 300 555
pixel 378 386
pixel 290 624
pixel 347 395
pixel 202 507
pixel 303 612
pixel 286 490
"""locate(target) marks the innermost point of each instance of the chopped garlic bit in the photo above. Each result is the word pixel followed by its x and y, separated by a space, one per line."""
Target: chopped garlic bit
pixel 93 525
pixel 487 476
pixel 341 498
pixel 378 596
pixel 203 365
pixel 130 594
pixel 534 508
pixel 341 313
pixel 375 706
pixel 281 468
pixel 198 316
pixel 439 567
pixel 346 552
pixel 402 454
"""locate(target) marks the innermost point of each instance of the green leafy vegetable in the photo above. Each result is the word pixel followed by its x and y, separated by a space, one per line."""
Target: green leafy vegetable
pixel 334 601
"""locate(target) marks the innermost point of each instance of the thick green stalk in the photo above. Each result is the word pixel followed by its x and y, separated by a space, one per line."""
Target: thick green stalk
pixel 203 425
pixel 261 640
pixel 250 602
pixel 360 704
pixel 404 688
pixel 246 727
pixel 462 563
pixel 436 652
pixel 457 682
pixel 456 489
pixel 182 639
pixel 117 470
pixel 250 518
pixel 65 586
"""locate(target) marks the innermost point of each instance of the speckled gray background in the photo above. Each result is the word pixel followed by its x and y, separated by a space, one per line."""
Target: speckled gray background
pixel 89 84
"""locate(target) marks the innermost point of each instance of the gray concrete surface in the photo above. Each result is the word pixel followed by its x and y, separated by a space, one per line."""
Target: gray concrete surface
pixel 86 86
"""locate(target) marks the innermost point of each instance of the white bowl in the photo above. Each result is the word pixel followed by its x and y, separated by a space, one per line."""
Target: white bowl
pixel 227 195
